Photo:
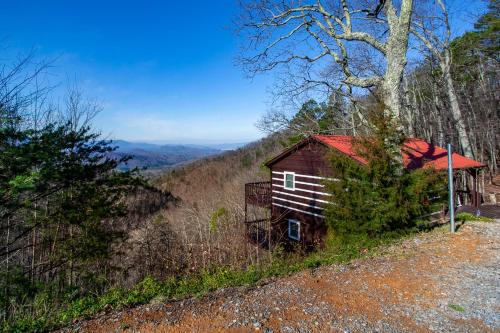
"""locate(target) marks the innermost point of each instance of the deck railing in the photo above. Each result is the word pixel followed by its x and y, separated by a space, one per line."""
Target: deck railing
pixel 258 193
pixel 472 197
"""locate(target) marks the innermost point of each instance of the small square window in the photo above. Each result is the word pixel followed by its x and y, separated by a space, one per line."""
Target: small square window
pixel 294 229
pixel 289 180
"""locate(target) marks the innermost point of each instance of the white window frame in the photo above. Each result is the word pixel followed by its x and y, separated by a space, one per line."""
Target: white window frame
pixel 293 180
pixel 290 221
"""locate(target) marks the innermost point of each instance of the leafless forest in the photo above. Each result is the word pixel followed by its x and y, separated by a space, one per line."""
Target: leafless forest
pixel 202 226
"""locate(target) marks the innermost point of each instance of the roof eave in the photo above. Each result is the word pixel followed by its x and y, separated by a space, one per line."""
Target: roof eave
pixel 287 151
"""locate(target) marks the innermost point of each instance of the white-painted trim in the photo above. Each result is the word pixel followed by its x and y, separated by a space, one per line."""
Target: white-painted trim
pixel 300 196
pixel 298 210
pixel 316 177
pixel 299 182
pixel 311 184
pixel 290 221
pixel 304 190
pixel 307 176
pixel 286 173
pixel 298 203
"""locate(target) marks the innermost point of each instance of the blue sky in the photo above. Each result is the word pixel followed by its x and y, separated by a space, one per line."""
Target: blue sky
pixel 163 70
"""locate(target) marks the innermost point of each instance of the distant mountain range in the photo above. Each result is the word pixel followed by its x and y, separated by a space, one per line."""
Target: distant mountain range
pixel 221 146
pixel 158 156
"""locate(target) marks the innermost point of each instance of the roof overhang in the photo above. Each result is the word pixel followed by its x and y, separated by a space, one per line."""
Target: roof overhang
pixel 418 153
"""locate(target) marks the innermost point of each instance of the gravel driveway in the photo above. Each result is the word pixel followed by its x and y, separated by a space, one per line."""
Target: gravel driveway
pixel 433 282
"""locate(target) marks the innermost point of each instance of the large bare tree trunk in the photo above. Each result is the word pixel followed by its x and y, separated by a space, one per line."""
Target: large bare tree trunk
pixel 456 113
pixel 439 45
pixel 439 119
pixel 396 49
pixel 391 89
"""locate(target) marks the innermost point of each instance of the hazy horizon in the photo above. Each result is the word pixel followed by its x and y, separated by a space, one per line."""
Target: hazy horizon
pixel 195 142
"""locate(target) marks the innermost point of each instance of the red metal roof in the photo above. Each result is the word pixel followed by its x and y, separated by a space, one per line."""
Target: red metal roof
pixel 417 153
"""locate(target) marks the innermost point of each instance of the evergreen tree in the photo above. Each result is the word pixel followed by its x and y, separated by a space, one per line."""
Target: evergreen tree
pixel 318 118
pixel 60 194
pixel 484 41
pixel 380 196
pixel 488 31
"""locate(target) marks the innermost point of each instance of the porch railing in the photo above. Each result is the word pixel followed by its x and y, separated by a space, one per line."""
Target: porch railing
pixel 258 193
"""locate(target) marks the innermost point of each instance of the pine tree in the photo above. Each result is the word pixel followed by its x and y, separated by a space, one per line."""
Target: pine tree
pixel 380 196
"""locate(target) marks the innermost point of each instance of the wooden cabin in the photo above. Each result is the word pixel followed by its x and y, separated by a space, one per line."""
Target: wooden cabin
pixel 291 205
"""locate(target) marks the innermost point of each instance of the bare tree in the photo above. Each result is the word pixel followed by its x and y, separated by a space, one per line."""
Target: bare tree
pixel 433 30
pixel 22 95
pixel 320 42
pixel 78 110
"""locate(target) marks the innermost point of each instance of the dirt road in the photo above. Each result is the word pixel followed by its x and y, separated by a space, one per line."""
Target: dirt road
pixel 434 282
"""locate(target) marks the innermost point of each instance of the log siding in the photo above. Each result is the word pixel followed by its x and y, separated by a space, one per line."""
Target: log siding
pixel 304 176
pixel 298 203
pixel 306 198
pixel 307 202
pixel 303 188
pixel 298 210
pixel 300 196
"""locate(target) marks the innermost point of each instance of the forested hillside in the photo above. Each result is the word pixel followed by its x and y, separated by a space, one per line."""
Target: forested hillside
pixel 193 220
pixel 74 226
pixel 205 228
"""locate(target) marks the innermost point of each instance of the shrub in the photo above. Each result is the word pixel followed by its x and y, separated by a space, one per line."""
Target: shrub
pixel 463 217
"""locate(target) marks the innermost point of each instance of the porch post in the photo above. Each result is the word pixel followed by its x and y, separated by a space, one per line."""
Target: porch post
pixel 451 205
pixel 246 198
pixel 474 189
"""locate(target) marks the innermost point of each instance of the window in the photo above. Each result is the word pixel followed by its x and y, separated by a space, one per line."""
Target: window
pixel 294 229
pixel 289 180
